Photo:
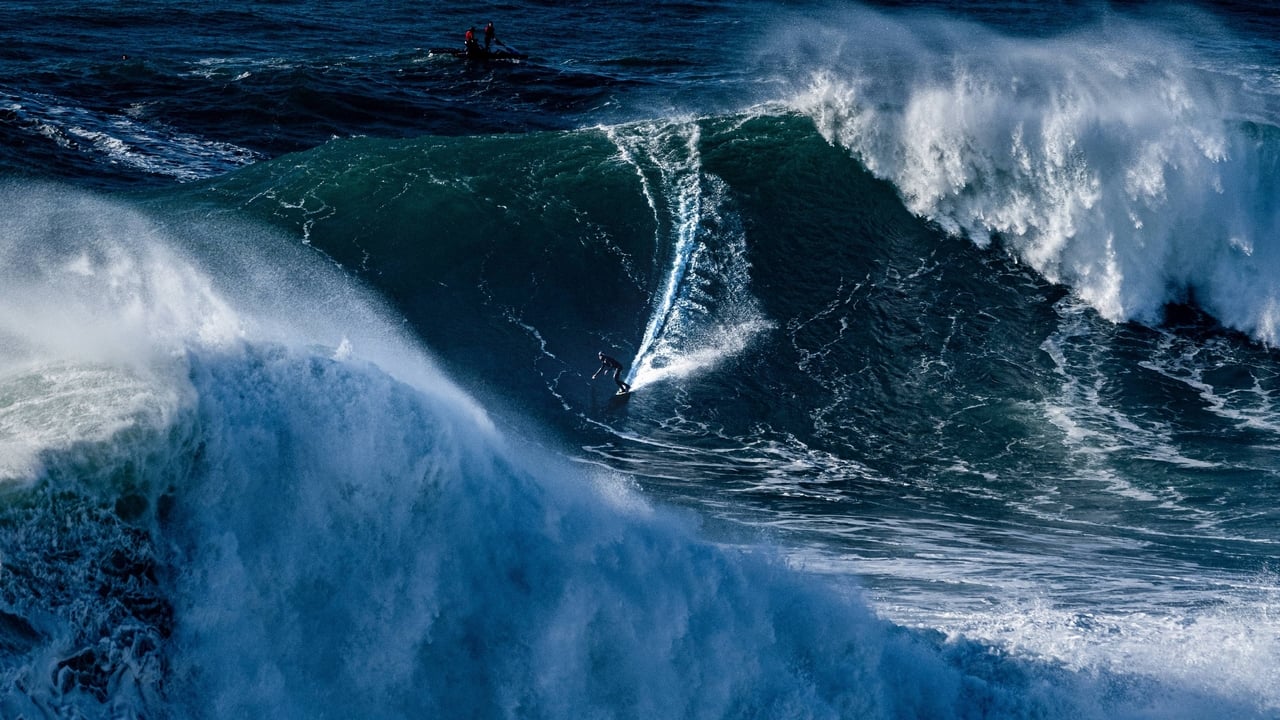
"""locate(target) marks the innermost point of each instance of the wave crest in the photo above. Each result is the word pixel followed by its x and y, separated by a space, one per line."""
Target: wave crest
pixel 1113 162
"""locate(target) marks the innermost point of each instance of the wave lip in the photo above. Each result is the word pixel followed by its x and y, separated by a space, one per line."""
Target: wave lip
pixel 1111 162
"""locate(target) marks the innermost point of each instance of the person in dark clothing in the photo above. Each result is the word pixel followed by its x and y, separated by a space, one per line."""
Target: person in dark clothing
pixel 608 363
pixel 489 35
pixel 473 45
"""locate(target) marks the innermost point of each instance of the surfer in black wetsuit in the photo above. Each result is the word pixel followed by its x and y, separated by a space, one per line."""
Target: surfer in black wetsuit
pixel 490 35
pixel 608 363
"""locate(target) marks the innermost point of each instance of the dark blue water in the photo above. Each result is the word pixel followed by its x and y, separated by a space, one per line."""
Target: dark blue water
pixel 951 328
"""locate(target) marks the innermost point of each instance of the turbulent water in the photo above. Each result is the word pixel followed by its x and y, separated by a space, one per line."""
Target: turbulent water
pixel 952 330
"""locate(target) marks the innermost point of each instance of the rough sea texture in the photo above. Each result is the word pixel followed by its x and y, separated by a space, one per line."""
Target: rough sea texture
pixel 953 330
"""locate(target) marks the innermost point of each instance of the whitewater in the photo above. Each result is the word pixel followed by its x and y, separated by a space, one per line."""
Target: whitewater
pixel 952 332
pixel 1107 160
pixel 447 571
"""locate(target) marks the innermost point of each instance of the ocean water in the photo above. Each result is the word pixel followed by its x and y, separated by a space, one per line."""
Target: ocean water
pixel 952 328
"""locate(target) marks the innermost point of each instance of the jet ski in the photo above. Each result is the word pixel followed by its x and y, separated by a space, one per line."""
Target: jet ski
pixel 479 54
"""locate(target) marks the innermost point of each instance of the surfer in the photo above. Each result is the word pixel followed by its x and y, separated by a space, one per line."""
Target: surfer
pixel 473 46
pixel 608 363
pixel 489 35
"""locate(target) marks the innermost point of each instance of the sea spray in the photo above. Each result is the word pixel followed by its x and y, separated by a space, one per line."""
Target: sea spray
pixel 333 539
pixel 103 312
pixel 309 533
pixel 354 547
pixel 1110 161
pixel 702 310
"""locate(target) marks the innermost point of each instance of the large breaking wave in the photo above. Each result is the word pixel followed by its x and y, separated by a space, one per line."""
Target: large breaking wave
pixel 1121 161
pixel 294 513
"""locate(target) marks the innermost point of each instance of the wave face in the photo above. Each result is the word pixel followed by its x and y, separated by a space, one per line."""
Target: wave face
pixel 298 515
pixel 812 357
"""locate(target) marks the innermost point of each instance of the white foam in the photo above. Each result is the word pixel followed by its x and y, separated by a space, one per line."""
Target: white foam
pixel 123 140
pixel 704 312
pixel 1109 160
pixel 350 537
pixel 1230 648
pixel 99 302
